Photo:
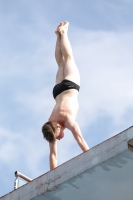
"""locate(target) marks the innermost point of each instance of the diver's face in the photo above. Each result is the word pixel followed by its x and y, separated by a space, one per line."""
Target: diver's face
pixel 59 132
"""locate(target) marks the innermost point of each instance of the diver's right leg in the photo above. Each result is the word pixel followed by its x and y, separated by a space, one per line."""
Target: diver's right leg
pixel 59 57
pixel 70 69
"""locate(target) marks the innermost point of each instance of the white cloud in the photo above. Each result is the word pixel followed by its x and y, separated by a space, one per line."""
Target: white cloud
pixel 106 65
pixel 23 150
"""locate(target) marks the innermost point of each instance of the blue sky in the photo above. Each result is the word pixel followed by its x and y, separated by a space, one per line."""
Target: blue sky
pixel 101 34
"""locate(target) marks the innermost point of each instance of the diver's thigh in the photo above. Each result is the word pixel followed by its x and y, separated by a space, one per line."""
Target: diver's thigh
pixel 71 71
pixel 60 75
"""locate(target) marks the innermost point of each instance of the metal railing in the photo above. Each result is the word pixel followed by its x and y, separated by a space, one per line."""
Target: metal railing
pixel 20 180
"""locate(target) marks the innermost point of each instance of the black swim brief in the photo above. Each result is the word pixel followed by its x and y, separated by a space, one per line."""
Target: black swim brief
pixel 64 85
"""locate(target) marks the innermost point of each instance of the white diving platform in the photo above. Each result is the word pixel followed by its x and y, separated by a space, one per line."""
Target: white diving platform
pixel 104 172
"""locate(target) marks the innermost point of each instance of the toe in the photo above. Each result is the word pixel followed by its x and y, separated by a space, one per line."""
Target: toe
pixel 66 23
pixel 61 23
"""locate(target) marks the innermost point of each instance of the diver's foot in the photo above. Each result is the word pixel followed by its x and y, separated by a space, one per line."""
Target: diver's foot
pixel 63 28
pixel 56 31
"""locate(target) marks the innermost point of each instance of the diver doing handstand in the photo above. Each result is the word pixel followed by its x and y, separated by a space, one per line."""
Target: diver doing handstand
pixel 65 94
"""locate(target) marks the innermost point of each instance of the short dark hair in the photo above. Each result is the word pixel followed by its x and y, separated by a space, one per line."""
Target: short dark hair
pixel 48 130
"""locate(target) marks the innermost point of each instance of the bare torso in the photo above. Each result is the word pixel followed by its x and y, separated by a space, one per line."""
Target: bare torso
pixel 66 105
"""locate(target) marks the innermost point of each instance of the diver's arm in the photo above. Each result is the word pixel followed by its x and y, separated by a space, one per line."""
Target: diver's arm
pixel 53 155
pixel 74 128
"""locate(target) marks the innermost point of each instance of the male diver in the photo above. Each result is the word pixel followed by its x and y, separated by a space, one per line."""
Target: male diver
pixel 65 94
